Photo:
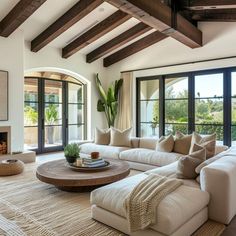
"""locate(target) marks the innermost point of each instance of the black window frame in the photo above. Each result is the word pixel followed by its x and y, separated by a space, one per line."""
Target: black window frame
pixel 227 99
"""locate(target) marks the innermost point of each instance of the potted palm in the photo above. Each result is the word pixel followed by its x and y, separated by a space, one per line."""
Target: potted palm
pixel 72 152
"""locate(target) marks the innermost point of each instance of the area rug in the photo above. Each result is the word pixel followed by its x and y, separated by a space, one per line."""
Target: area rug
pixel 30 207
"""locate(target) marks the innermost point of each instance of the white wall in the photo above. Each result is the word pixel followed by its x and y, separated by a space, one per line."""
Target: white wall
pixel 11 60
pixel 51 57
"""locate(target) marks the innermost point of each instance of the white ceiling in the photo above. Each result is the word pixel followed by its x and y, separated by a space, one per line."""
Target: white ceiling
pixel 51 10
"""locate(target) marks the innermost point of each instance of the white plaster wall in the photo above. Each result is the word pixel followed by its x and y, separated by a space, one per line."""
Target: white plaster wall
pixel 11 60
pixel 51 57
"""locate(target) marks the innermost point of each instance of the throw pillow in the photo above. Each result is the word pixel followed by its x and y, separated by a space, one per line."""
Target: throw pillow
pixel 187 164
pixel 165 144
pixel 182 143
pixel 208 142
pixel 102 136
pixel 120 138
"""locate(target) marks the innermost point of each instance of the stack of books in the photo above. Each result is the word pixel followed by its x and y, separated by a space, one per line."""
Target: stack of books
pixel 89 162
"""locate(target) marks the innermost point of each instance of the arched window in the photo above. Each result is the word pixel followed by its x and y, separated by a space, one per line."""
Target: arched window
pixel 54 111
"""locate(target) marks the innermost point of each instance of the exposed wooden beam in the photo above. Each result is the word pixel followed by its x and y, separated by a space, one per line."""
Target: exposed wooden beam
pixel 217 15
pixel 95 33
pixel 134 48
pixel 21 12
pixel 72 16
pixel 118 41
pixel 210 4
pixel 159 16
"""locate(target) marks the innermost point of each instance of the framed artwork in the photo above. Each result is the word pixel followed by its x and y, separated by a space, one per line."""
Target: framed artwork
pixel 3 95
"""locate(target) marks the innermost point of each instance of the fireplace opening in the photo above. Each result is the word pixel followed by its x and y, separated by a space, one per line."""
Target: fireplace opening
pixel 3 143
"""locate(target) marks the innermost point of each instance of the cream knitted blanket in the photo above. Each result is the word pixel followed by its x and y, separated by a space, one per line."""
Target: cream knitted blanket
pixel 141 205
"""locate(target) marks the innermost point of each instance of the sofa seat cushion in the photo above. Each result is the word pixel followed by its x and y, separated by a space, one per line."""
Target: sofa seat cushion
pixel 104 150
pixel 151 157
pixel 173 211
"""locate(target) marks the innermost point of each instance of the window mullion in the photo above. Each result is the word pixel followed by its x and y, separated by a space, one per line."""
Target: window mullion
pixel 191 103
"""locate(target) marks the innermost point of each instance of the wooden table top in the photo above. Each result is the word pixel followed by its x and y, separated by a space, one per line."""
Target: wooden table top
pixel 59 174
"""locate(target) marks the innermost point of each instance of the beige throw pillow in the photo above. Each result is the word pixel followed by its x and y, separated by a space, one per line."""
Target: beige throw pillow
pixel 102 136
pixel 165 144
pixel 187 164
pixel 120 138
pixel 208 142
pixel 182 143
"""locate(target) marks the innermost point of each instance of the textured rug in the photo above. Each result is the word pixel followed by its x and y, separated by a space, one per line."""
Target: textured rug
pixel 30 207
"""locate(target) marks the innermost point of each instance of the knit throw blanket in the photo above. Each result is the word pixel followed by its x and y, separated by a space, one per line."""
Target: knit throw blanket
pixel 141 205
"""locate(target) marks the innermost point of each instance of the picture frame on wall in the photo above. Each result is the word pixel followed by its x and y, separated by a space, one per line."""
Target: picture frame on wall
pixel 3 95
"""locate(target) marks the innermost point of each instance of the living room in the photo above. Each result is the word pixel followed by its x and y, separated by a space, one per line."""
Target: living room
pixel 141 87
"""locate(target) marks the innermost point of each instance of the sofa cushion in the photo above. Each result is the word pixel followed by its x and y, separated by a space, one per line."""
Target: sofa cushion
pixel 165 144
pixel 187 164
pixel 150 157
pixel 148 143
pixel 120 138
pixel 102 136
pixel 104 150
pixel 173 211
pixel 207 141
pixel 182 143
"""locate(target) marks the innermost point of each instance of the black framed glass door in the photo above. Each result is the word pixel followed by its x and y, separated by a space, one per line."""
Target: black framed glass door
pixel 54 113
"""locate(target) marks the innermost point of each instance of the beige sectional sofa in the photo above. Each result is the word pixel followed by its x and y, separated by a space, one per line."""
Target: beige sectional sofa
pixel 183 211
pixel 141 154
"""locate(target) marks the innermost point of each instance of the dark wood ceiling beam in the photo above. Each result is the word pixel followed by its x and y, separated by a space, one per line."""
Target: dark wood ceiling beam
pixel 72 16
pixel 95 33
pixel 217 15
pixel 134 48
pixel 159 16
pixel 210 4
pixel 21 12
pixel 118 41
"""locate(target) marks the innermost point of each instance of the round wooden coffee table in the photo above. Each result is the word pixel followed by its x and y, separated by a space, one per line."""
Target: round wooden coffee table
pixel 59 174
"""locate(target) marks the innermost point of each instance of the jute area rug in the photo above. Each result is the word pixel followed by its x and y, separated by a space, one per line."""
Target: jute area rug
pixel 30 207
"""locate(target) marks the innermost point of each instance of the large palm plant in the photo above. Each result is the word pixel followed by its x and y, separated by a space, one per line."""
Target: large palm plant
pixel 108 102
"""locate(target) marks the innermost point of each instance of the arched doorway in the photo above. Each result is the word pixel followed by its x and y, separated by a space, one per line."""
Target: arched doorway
pixel 55 110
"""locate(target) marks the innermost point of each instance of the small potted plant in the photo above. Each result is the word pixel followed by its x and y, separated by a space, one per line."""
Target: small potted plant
pixel 71 152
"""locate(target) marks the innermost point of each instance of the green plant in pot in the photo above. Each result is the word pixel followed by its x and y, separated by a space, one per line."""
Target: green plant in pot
pixel 109 101
pixel 72 152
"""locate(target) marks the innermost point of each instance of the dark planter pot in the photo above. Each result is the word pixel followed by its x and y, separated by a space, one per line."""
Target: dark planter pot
pixel 70 159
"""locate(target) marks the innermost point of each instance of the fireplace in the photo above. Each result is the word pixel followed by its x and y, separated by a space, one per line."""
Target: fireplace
pixel 5 140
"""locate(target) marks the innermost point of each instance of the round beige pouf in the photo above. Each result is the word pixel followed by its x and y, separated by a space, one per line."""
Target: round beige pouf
pixel 11 167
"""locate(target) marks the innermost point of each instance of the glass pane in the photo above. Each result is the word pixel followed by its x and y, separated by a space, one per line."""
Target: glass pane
pixel 53 91
pixel 233 111
pixel 149 130
pixel 172 128
pixel 209 111
pixel 75 93
pixel 53 114
pixel 31 90
pixel 210 129
pixel 149 111
pixel 53 136
pixel 233 133
pixel 76 133
pixel 176 87
pixel 31 114
pixel 209 85
pixel 176 111
pixel 76 113
pixel 31 137
pixel 149 89
pixel 234 84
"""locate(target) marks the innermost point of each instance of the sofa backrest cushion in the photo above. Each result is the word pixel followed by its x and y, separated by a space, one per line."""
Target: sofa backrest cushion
pixel 120 138
pixel 182 143
pixel 149 143
pixel 165 144
pixel 135 142
pixel 221 148
pixel 219 179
